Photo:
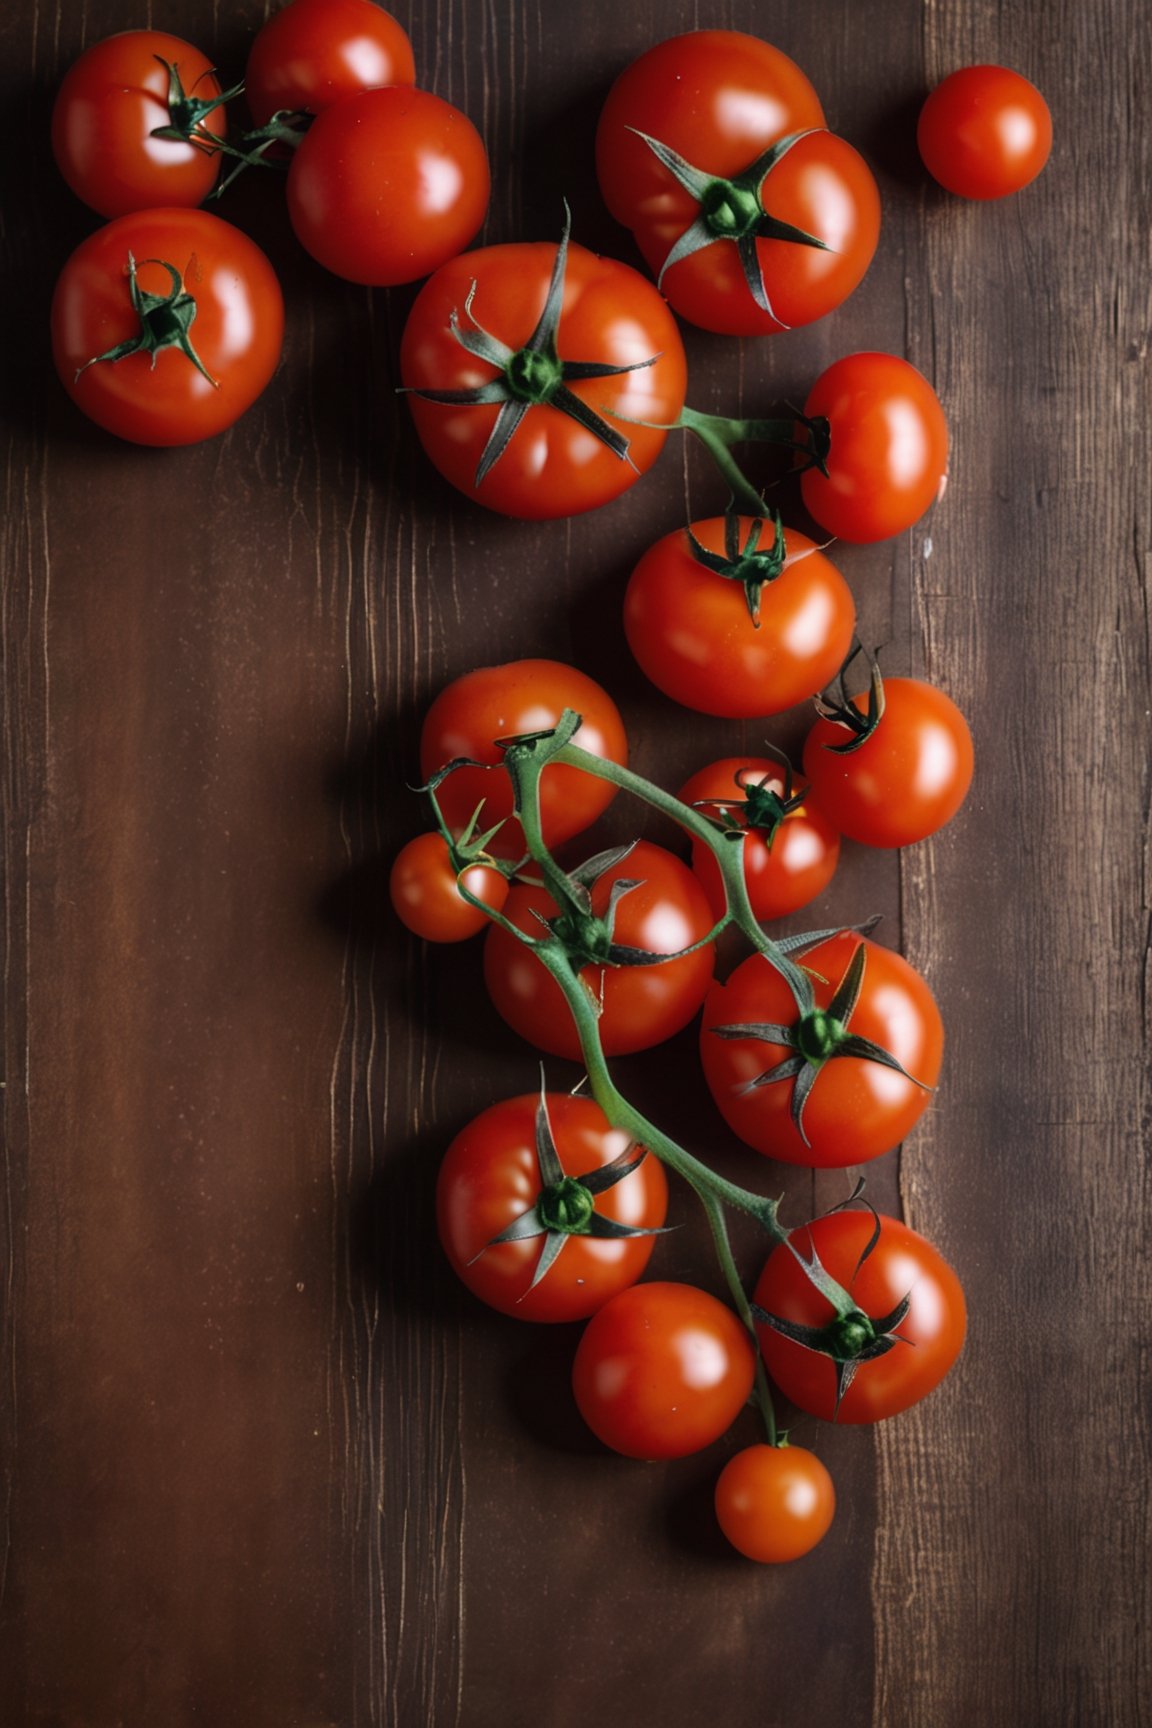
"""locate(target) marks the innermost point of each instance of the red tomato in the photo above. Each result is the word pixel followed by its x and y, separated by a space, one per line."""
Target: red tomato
pixel 491 1176
pixel 901 1263
pixel 693 635
pixel 785 867
pixel 904 781
pixel 552 465
pixel 388 184
pixel 889 447
pixel 224 290
pixel 662 1370
pixel 111 103
pixel 775 1502
pixel 524 696
pixel 857 1108
pixel 425 895
pixel 642 1005
pixel 985 132
pixel 312 53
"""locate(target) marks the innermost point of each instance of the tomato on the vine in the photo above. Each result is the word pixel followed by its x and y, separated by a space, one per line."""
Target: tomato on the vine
pixel 775 1503
pixel 984 132
pixel 426 897
pixel 313 53
pixel 491 1177
pixel 927 1337
pixel 640 1005
pixel 662 1370
pixel 166 326
pixel 388 184
pixel 790 847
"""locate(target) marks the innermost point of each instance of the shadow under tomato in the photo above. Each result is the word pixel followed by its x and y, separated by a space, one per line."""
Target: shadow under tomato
pixel 537 1390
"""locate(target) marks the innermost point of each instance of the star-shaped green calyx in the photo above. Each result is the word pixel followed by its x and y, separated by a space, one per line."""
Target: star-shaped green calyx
pixel 165 322
pixel 758 808
pixel 187 111
pixel 836 705
pixel 749 564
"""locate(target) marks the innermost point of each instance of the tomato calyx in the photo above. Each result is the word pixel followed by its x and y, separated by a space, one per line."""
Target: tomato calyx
pixel 837 706
pixel 165 322
pixel 746 564
pixel 762 809
pixel 187 111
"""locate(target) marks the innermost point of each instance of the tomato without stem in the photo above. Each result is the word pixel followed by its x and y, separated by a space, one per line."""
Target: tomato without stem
pixel 785 867
pixel 427 899
pixel 313 53
pixel 929 1337
pixel 985 132
pixel 662 1370
pixel 775 1503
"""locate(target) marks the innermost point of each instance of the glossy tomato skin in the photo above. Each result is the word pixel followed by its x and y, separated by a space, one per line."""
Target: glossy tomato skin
pixel 902 1261
pixel 905 781
pixel 237 331
pixel 642 1005
pixel 692 635
pixel 662 1370
pixel 552 466
pixel 889 454
pixel 387 185
pixel 111 101
pixel 985 132
pixel 490 1175
pixel 507 701
pixel 425 895
pixel 781 875
pixel 313 53
pixel 857 1109
pixel 775 1503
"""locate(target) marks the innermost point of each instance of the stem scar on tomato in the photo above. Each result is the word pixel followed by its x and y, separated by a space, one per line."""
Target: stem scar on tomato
pixel 165 322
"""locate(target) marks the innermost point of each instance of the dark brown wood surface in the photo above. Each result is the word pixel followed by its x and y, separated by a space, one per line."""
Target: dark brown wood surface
pixel 264 1465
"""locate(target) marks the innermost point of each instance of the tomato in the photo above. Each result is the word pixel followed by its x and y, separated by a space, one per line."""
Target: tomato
pixel 425 895
pixel 985 132
pixel 906 779
pixel 111 103
pixel 491 1176
pixel 499 702
pixel 388 184
pixel 788 861
pixel 662 1370
pixel 775 1502
pixel 554 463
pixel 204 286
pixel 641 1005
pixel 889 447
pixel 313 53
pixel 929 1336
pixel 858 1107
pixel 693 634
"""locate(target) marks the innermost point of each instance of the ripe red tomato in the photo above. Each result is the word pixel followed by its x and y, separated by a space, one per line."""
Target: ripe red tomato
pixel 508 701
pixel 985 132
pixel 786 866
pixel 426 897
pixel 312 53
pixel 775 1502
pixel 662 1370
pixel 693 635
pixel 902 1263
pixel 642 1005
pixel 194 270
pixel 906 779
pixel 112 101
pixel 386 185
pixel 857 1108
pixel 491 1176
pixel 889 447
pixel 552 465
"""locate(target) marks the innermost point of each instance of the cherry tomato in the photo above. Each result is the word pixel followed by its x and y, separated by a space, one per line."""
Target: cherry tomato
pixel 904 781
pixel 775 1502
pixel 662 1370
pixel 929 1336
pixel 784 868
pixel 388 184
pixel 641 1005
pixel 111 103
pixel 552 465
pixel 889 447
pixel 523 696
pixel 857 1108
pixel 192 269
pixel 694 636
pixel 985 132
pixel 426 897
pixel 491 1176
pixel 313 53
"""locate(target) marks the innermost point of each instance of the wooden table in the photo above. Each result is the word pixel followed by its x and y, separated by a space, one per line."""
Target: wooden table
pixel 265 1465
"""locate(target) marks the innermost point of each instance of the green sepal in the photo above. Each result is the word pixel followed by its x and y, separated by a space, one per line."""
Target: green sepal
pixel 836 705
pixel 165 322
pixel 746 564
